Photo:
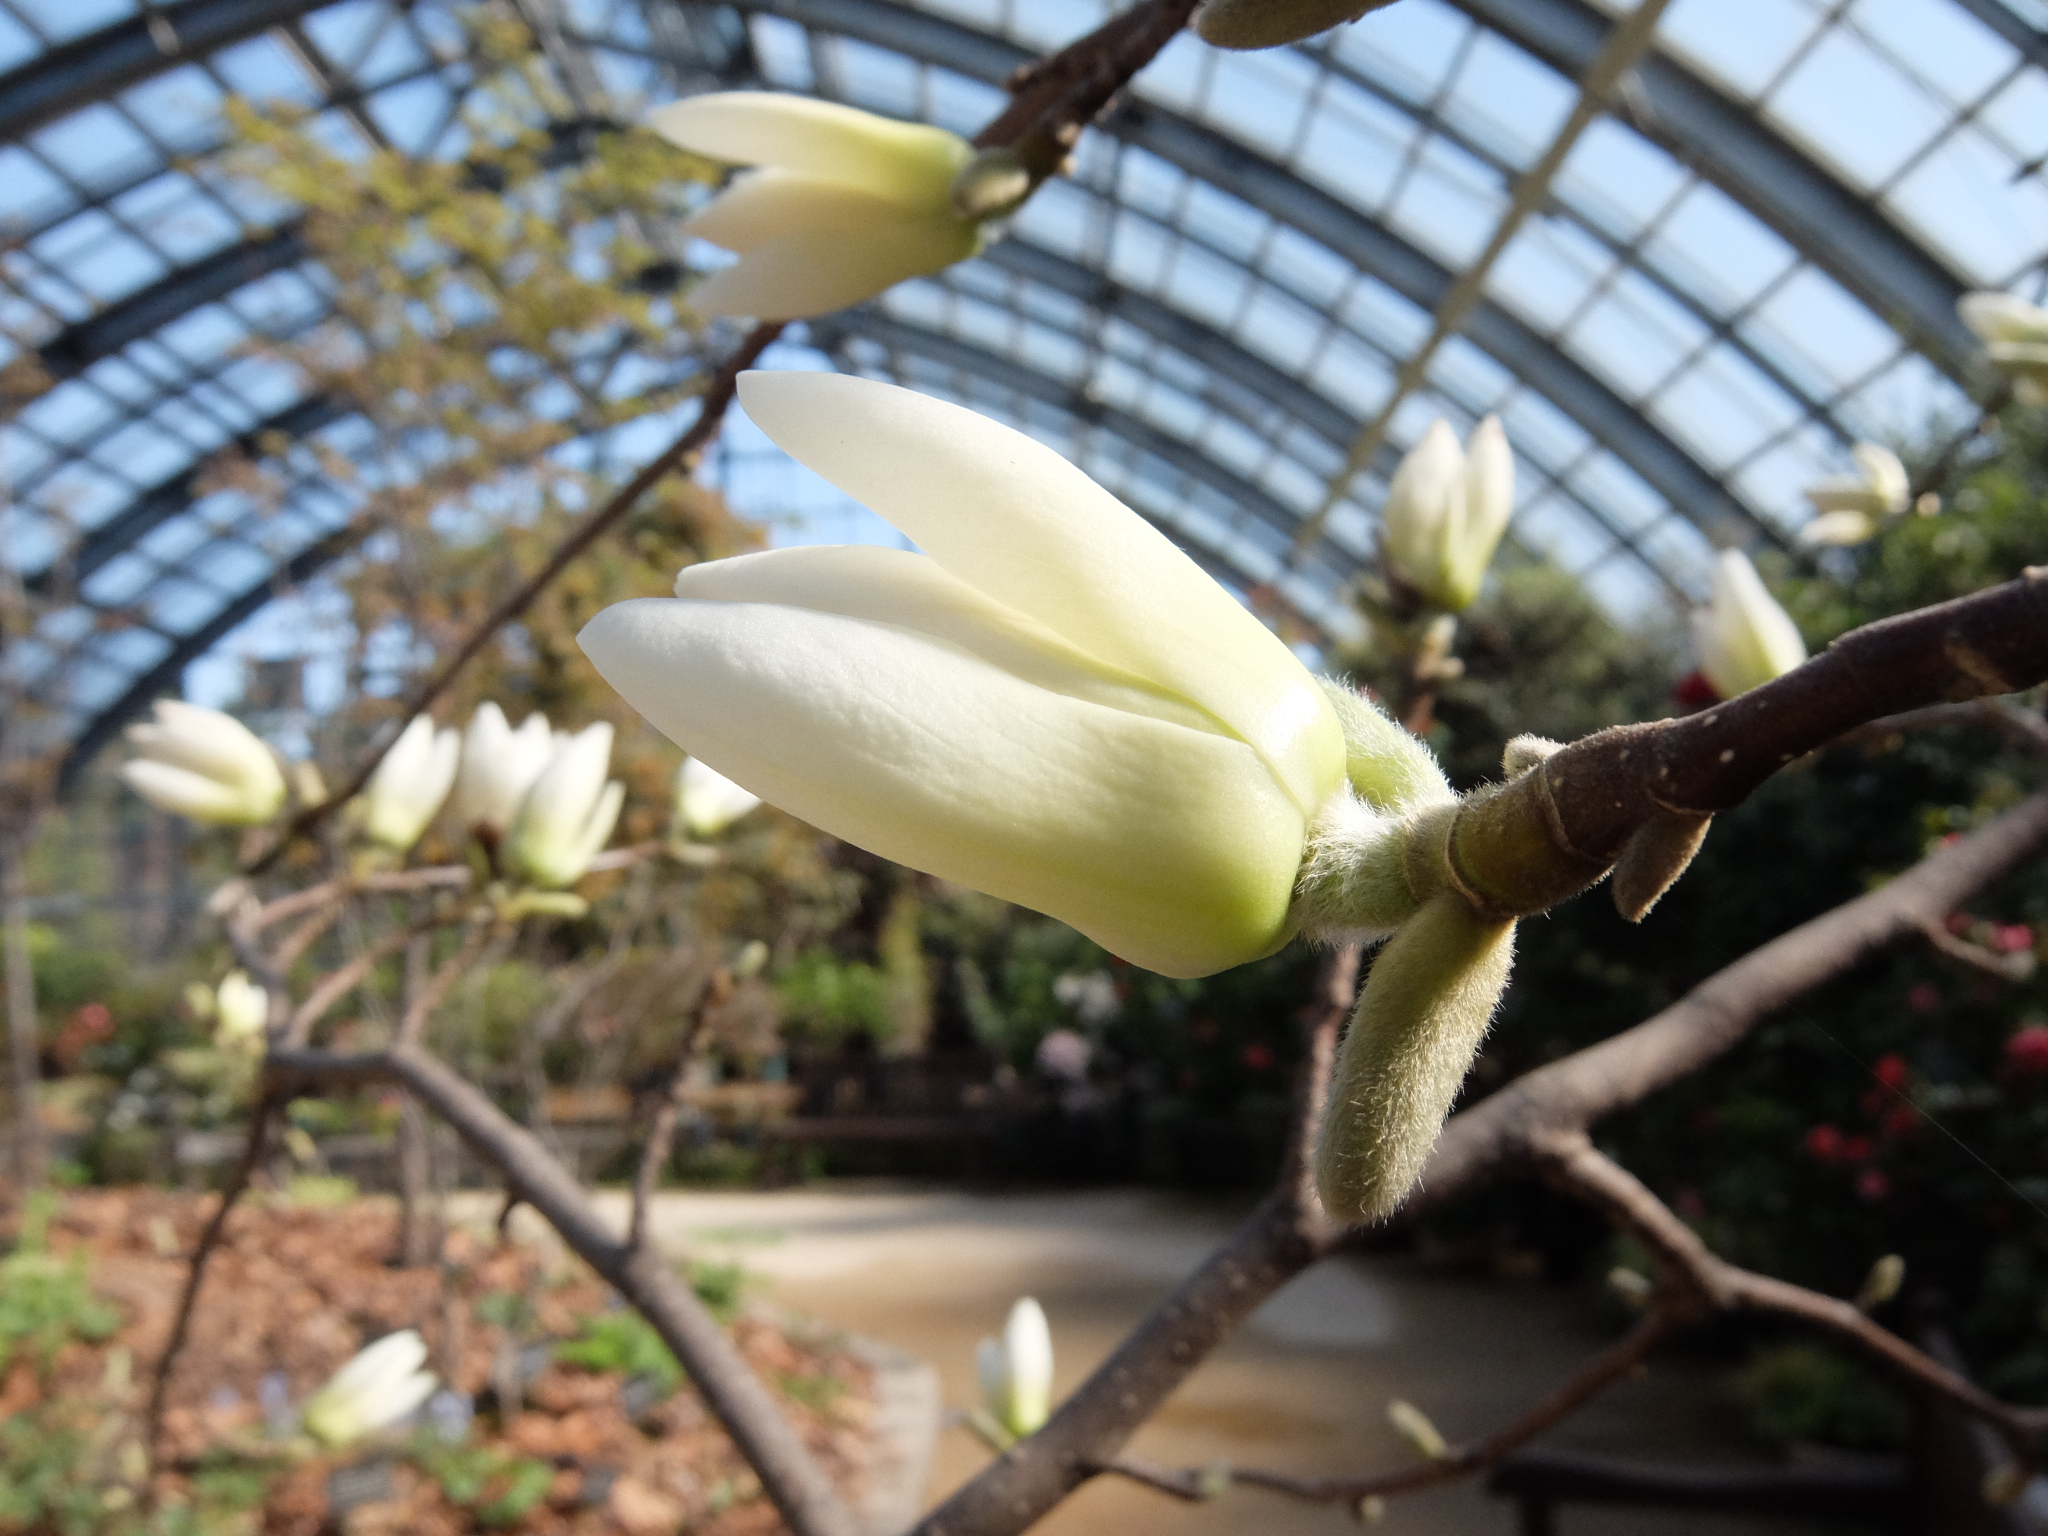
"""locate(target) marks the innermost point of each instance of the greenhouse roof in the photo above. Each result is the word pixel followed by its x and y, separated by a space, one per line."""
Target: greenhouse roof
pixel 1748 263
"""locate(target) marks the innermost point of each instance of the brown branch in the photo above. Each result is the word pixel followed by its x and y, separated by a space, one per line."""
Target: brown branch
pixel 209 1239
pixel 429 997
pixel 343 980
pixel 1555 829
pixel 1511 1126
pixel 1578 1167
pixel 718 396
pixel 1053 98
pixel 790 1477
pixel 1613 1363
pixel 2024 726
pixel 303 937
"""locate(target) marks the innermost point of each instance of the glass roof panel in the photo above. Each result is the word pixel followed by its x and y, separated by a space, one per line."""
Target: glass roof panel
pixel 1207 316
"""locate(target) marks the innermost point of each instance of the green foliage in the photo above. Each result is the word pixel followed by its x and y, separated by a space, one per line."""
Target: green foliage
pixel 626 1342
pixel 828 999
pixel 499 1489
pixel 45 1301
pixel 1807 1392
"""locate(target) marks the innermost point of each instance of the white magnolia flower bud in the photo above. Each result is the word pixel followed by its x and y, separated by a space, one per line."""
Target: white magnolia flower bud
pixel 2015 337
pixel 1016 1372
pixel 1848 506
pixel 410 783
pixel 241 1011
pixel 1052 704
pixel 203 764
pixel 1446 511
pixel 1743 637
pixel 498 767
pixel 707 802
pixel 568 814
pixel 843 204
pixel 380 1387
pixel 1414 1426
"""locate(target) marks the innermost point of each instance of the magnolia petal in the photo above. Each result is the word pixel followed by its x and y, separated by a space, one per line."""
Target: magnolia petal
pixel 1839 528
pixel 906 162
pixel 1489 503
pixel 1889 485
pixel 1424 503
pixel 184 793
pixel 814 272
pixel 894 586
pixel 760 206
pixel 1027 1353
pixel 1019 524
pixel 1842 493
pixel 2005 317
pixel 1744 638
pixel 1171 847
pixel 707 802
pixel 374 1367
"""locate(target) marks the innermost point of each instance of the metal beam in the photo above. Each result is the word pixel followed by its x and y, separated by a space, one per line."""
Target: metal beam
pixel 2000 17
pixel 1274 190
pixel 143 313
pixel 1295 400
pixel 100 64
pixel 1725 140
pixel 173 494
pixel 163 677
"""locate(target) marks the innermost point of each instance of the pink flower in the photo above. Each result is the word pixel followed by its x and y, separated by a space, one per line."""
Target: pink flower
pixel 1890 1070
pixel 2011 938
pixel 1824 1142
pixel 2026 1053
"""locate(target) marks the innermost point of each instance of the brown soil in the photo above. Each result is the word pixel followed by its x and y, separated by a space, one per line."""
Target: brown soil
pixel 297 1291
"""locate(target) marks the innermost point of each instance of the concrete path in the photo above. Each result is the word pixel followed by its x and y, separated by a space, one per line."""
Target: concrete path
pixel 1304 1387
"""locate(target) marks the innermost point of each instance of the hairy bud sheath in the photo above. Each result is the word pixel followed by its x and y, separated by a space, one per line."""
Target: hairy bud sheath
pixel 1425 1008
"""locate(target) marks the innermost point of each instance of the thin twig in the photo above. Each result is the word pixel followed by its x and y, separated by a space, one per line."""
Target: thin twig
pixel 338 983
pixel 2013 967
pixel 2023 725
pixel 661 1134
pixel 1618 1360
pixel 719 392
pixel 209 1239
pixel 421 1006
pixel 789 1475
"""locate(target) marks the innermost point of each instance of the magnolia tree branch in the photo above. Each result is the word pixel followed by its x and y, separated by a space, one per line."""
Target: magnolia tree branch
pixel 789 1475
pixel 1612 1364
pixel 1996 639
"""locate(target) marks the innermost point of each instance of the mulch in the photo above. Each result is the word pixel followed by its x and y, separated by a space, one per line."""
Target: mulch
pixel 294 1292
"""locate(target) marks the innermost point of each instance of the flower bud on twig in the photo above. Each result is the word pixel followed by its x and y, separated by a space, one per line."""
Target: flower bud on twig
pixel 204 765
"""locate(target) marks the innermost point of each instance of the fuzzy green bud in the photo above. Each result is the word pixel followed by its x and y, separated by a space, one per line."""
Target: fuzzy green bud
pixel 1419 1021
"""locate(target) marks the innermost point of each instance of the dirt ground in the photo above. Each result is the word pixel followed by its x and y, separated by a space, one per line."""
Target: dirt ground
pixel 294 1292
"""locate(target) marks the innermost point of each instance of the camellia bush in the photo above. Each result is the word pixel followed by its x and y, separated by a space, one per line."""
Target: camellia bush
pixel 1051 705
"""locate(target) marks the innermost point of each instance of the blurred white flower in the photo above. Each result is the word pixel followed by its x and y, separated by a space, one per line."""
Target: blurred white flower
pixel 380 1387
pixel 498 767
pixel 1064 1054
pixel 1743 637
pixel 707 802
pixel 1091 994
pixel 2015 337
pixel 411 781
pixel 203 764
pixel 568 814
pixel 1446 511
pixel 1847 507
pixel 842 205
pixel 1052 704
pixel 1016 1371
pixel 241 1012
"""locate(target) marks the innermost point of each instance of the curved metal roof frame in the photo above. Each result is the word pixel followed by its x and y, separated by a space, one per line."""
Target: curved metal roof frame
pixel 1707 127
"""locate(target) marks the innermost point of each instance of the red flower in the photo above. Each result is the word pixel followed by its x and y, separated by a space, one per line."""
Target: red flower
pixel 2026 1053
pixel 1923 998
pixel 1694 691
pixel 1258 1056
pixel 1891 1071
pixel 1872 1185
pixel 1902 1121
pixel 2011 938
pixel 1857 1149
pixel 1824 1142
